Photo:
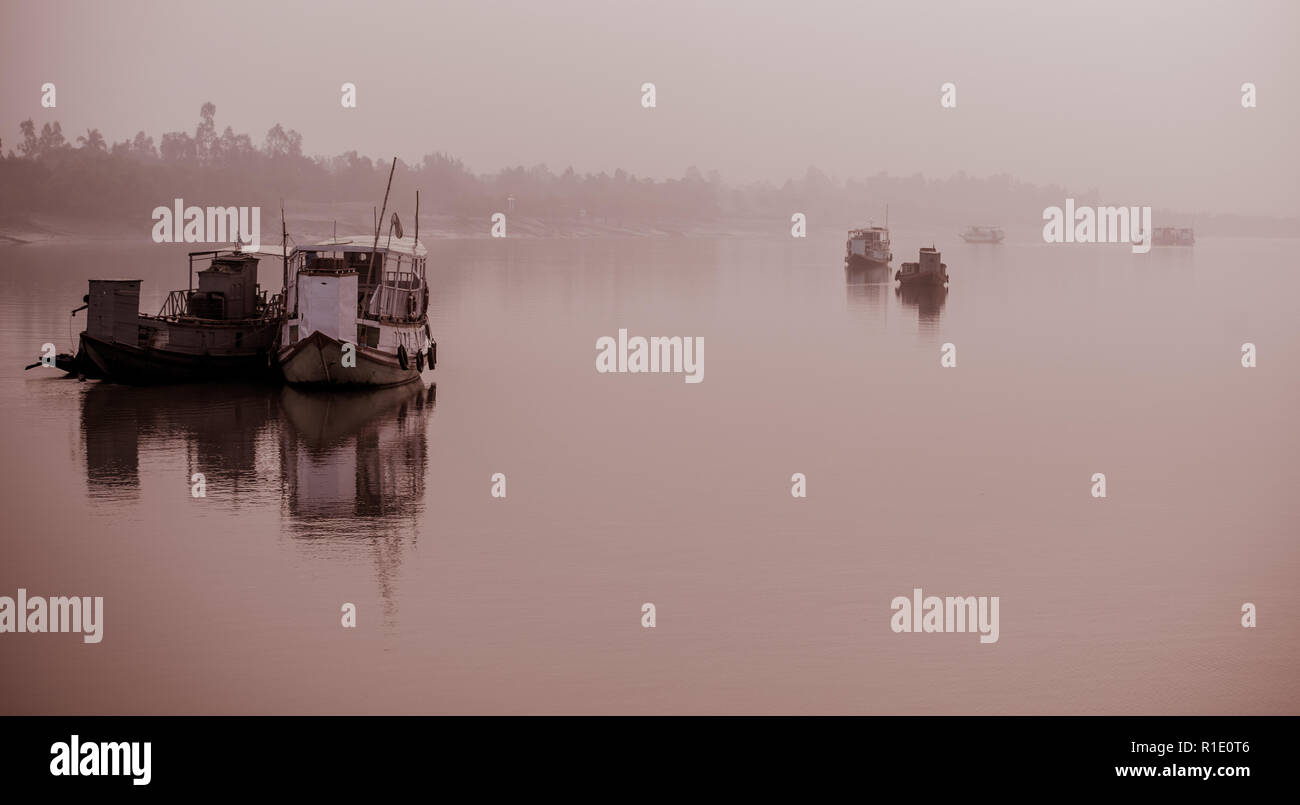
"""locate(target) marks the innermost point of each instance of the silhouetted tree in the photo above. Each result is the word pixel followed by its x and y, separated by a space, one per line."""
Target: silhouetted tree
pixel 92 140
pixel 206 132
pixel 177 146
pixel 29 147
pixel 142 146
pixel 51 138
pixel 281 143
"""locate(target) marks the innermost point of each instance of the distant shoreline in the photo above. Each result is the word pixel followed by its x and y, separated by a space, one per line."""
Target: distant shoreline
pixel 317 221
pixel 318 224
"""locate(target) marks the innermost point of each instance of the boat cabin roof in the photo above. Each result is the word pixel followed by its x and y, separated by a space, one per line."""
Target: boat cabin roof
pixel 264 250
pixel 364 243
pixel 868 230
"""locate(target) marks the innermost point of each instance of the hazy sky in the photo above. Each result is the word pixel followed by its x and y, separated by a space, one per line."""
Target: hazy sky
pixel 1141 100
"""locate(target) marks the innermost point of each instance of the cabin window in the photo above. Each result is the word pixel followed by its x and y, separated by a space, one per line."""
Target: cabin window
pixel 360 261
pixel 293 333
pixel 368 336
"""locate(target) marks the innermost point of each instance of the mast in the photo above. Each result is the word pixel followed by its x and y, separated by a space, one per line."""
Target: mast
pixel 414 254
pixel 284 252
pixel 375 248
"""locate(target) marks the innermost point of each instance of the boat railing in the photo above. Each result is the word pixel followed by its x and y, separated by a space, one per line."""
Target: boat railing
pixel 272 308
pixel 401 279
pixel 177 306
pixel 397 298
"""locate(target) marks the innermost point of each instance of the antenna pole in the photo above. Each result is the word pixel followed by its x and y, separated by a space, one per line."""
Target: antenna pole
pixel 374 249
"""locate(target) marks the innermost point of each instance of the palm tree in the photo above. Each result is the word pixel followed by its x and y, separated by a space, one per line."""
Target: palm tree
pixel 93 140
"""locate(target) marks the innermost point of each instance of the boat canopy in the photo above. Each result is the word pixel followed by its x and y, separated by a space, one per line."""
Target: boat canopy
pixel 364 243
pixel 275 250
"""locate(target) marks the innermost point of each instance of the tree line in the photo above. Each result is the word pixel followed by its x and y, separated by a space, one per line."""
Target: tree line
pixel 46 172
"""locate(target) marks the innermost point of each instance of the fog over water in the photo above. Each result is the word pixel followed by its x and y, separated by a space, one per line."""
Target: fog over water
pixel 625 489
pixel 971 480
pixel 1140 100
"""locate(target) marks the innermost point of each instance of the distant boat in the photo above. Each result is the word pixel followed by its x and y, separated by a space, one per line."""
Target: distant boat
pixel 927 272
pixel 357 315
pixel 983 234
pixel 868 246
pixel 1173 236
pixel 224 330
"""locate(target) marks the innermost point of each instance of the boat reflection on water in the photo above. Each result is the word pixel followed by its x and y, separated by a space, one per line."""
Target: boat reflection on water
pixel 865 286
pixel 354 454
pixel 927 300
pixel 214 428
pixel 350 475
pixel 353 466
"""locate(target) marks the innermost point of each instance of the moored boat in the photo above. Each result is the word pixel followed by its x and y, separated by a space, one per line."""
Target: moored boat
pixel 928 271
pixel 868 246
pixel 1173 236
pixel 223 330
pixel 357 314
pixel 983 234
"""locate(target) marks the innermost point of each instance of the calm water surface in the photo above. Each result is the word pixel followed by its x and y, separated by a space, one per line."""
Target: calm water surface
pixel 624 489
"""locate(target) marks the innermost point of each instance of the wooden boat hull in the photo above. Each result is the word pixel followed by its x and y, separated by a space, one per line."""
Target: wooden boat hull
pixel 317 360
pixel 134 365
pixel 77 365
pixel 922 280
pixel 869 259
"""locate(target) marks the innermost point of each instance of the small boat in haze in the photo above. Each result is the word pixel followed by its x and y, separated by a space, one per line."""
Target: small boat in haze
pixel 983 234
pixel 1173 236
pixel 928 271
pixel 223 330
pixel 868 246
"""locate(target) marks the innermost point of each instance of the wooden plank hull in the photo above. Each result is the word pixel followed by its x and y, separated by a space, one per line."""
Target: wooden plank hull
pixel 923 280
pixel 871 258
pixel 317 360
pixel 133 365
